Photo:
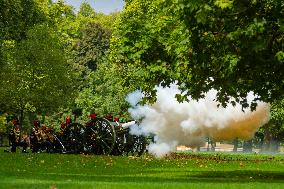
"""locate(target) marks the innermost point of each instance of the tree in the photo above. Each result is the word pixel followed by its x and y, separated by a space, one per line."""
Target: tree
pixel 86 10
pixel 93 45
pixel 104 92
pixel 272 133
pixel 232 46
pixel 38 77
pixel 17 17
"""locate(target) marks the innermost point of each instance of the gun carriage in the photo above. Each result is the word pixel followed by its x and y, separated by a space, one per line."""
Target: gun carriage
pixel 98 136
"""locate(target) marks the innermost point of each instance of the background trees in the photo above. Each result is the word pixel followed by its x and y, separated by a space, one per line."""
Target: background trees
pixel 92 46
pixel 232 46
pixel 35 75
pixel 101 90
pixel 48 56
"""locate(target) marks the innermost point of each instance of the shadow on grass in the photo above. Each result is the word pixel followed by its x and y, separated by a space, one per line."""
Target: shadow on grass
pixel 241 176
pixel 237 176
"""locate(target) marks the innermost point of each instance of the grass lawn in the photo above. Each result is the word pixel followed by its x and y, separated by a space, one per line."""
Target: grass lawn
pixel 194 170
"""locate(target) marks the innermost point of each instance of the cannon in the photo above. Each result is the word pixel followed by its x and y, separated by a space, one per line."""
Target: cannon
pixel 99 136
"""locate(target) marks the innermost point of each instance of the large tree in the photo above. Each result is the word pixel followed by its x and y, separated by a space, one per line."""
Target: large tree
pixel 34 52
pixel 104 92
pixel 17 17
pixel 93 45
pixel 37 76
pixel 231 46
pixel 272 133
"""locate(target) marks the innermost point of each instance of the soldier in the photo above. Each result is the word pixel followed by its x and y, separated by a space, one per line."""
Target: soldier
pixel 68 121
pixel 93 116
pixel 35 137
pixel 46 138
pixel 109 117
pixel 62 128
pixel 15 138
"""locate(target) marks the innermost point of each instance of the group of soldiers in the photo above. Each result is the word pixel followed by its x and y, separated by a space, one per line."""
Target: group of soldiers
pixel 41 138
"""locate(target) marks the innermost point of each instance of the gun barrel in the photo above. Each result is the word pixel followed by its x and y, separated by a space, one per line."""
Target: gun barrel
pixel 128 124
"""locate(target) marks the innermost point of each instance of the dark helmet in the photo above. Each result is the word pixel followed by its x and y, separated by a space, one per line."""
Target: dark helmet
pixel 15 121
pixel 36 123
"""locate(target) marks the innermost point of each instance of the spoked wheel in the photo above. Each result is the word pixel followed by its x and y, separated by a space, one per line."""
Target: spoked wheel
pixel 119 146
pixel 73 138
pixel 139 145
pixel 100 137
pixel 135 145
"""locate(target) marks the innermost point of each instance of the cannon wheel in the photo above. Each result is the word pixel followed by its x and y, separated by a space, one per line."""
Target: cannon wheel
pixel 119 146
pixel 135 145
pixel 139 145
pixel 100 137
pixel 73 138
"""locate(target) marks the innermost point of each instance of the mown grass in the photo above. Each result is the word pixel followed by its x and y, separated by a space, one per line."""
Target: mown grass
pixel 193 170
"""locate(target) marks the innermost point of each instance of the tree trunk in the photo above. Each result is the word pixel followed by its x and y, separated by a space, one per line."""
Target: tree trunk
pixel 235 142
pixel 21 119
pixel 208 142
pixel 43 117
pixel 213 145
pixel 32 117
pixel 198 149
pixel 274 146
pixel 266 139
pixel 247 146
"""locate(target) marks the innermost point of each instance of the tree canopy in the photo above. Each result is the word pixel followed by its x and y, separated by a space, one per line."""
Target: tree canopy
pixel 232 46
pixel 92 45
pixel 37 74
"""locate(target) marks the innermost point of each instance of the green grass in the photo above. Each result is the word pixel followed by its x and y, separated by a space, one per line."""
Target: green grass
pixel 194 170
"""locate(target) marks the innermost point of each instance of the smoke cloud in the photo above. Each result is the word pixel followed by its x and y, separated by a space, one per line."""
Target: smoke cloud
pixel 189 123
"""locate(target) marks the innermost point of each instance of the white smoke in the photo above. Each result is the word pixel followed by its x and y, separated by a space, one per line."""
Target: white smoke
pixel 134 98
pixel 188 123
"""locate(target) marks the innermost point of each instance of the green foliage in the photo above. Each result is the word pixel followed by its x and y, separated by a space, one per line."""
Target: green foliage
pixel 86 10
pixel 37 74
pixel 231 46
pixel 277 120
pixel 101 89
pixel 277 111
pixel 3 123
pixel 17 16
pixel 92 46
pixel 104 93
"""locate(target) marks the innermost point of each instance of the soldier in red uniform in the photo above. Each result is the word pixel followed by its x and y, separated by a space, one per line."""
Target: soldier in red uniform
pixel 15 137
pixel 47 138
pixel 62 128
pixel 93 116
pixel 35 137
pixel 68 121
pixel 109 117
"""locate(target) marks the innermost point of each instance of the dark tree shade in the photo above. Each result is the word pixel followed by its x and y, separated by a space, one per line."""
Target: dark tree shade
pixel 93 45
